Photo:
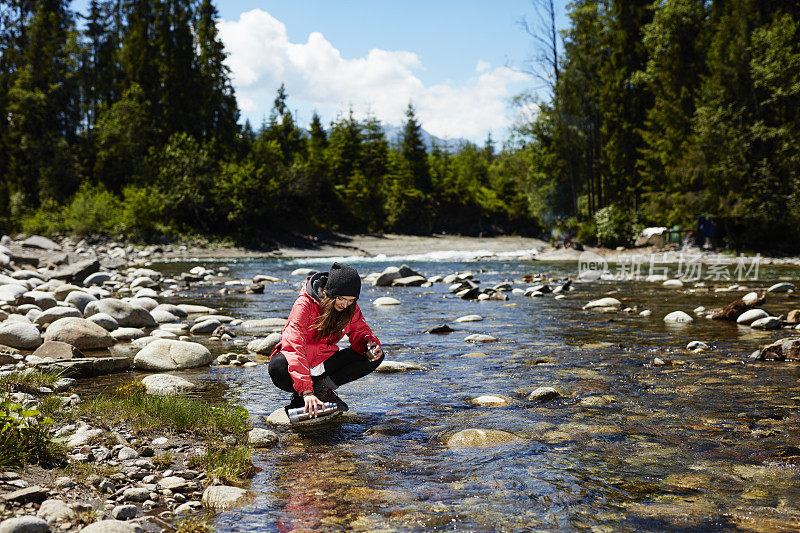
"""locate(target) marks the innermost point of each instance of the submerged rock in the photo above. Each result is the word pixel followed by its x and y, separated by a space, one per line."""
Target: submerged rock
pixel 544 393
pixel 473 438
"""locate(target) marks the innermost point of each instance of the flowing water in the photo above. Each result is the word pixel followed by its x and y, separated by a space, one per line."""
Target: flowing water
pixel 709 441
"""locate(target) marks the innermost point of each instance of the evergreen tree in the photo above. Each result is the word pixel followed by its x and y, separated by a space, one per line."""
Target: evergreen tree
pixel 413 149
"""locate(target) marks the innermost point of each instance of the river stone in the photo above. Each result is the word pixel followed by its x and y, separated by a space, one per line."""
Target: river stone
pixel 56 313
pixel 79 332
pixel 20 335
pixel 262 438
pixel 126 314
pixel 178 329
pixel 167 354
pixel 469 318
pixel 265 323
pixel 163 317
pixel 143 282
pixel 392 367
pixel 42 300
pixel 264 346
pixel 112 526
pixel 489 400
pixel 750 316
pixel 386 277
pixel 98 278
pixel 678 317
pixel 163 334
pixel 124 512
pixel 205 327
pixel 171 309
pixel 694 345
pixel 409 281
pixel 440 329
pixel 479 337
pixel 82 435
pixel 278 417
pixel 673 284
pixel 24 524
pixel 220 497
pixel 646 313
pixel 57 350
pixel 596 401
pixel 166 384
pixel 473 438
pixel 196 309
pixel 41 243
pixel 769 322
pixel 544 393
pixel 735 309
pixel 53 510
pixel 750 298
pixel 10 292
pixel 105 321
pixel 173 483
pixel 782 287
pixel 386 300
pixel 80 299
pixel 603 303
pixel 61 292
pixel 145 301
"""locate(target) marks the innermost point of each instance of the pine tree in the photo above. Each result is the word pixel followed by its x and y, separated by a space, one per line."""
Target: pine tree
pixel 414 152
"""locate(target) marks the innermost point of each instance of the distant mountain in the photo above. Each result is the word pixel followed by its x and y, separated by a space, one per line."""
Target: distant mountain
pixel 395 133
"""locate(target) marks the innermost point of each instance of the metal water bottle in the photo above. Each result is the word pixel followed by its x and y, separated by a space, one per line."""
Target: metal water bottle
pixel 299 414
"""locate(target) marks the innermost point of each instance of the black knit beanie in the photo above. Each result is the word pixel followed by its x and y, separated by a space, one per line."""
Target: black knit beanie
pixel 343 280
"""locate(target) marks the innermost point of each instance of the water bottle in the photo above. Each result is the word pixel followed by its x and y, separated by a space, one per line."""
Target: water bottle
pixel 299 414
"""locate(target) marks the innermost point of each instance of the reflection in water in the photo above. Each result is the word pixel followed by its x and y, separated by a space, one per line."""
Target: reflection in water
pixel 706 441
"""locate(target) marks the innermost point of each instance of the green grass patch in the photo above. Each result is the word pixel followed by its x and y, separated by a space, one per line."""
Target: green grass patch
pixel 29 381
pixel 82 471
pixel 148 414
pixel 26 437
pixel 228 464
pixel 194 524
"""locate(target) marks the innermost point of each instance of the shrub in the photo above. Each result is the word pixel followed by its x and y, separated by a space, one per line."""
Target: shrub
pixel 25 436
pixel 93 209
pixel 616 226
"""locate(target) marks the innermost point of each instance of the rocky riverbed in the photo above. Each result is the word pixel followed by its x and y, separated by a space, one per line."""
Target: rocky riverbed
pixel 89 311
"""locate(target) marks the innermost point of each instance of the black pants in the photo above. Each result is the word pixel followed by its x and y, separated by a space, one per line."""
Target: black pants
pixel 342 367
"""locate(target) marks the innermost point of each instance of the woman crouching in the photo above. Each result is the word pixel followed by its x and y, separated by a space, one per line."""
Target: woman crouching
pixel 307 362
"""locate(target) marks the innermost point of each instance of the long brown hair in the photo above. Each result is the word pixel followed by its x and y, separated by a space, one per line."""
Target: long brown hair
pixel 330 321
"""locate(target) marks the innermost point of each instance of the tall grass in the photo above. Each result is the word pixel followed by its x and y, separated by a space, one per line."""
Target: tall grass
pixel 147 413
pixel 25 437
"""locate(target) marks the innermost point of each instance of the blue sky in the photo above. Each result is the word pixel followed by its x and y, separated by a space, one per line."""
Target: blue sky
pixel 451 58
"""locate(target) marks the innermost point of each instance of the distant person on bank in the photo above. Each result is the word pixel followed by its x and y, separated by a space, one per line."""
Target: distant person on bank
pixel 307 362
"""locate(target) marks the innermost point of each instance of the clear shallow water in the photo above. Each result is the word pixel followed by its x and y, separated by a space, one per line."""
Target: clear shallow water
pixel 707 443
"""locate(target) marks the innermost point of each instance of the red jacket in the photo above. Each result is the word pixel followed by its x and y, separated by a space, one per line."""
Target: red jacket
pixel 303 352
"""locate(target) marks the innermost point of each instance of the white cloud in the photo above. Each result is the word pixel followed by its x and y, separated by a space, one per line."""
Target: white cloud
pixel 316 75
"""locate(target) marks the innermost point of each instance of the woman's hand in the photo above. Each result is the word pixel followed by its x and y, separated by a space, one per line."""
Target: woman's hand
pixel 313 405
pixel 374 351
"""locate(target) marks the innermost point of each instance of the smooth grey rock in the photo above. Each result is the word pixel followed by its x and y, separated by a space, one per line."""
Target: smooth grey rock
pixel 474 438
pixel 544 393
pixel 79 332
pixel 77 272
pixel 105 321
pixel 53 510
pixel 782 287
pixel 694 345
pixel 750 316
pixel 479 337
pixel 603 303
pixel 262 438
pixel 57 350
pixel 56 313
pixel 409 281
pixel 136 494
pixel 172 309
pixel 40 243
pixel 166 384
pixel 20 335
pixel 769 322
pixel 163 317
pixel 386 277
pixel 386 300
pixel 391 367
pixel 98 278
pixel 469 318
pixel 80 299
pixel 124 313
pixel 112 526
pixel 42 300
pixel 124 512
pixel 127 334
pixel 24 524
pixel 220 497
pixel 264 346
pixel 205 327
pixel 678 317
pixel 167 354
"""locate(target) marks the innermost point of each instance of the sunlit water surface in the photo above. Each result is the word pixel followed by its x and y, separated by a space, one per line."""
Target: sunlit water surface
pixel 707 442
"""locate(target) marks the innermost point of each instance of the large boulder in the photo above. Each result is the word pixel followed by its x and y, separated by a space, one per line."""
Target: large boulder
pixel 20 335
pixel 57 350
pixel 40 243
pixel 79 332
pixel 388 275
pixel 167 354
pixel 126 314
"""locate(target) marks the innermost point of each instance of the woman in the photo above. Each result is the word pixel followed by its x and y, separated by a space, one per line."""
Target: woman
pixel 307 362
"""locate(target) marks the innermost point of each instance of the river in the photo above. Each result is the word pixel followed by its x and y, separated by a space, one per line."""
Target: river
pixel 708 441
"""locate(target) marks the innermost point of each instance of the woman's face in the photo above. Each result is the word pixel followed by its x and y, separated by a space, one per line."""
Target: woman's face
pixel 340 303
